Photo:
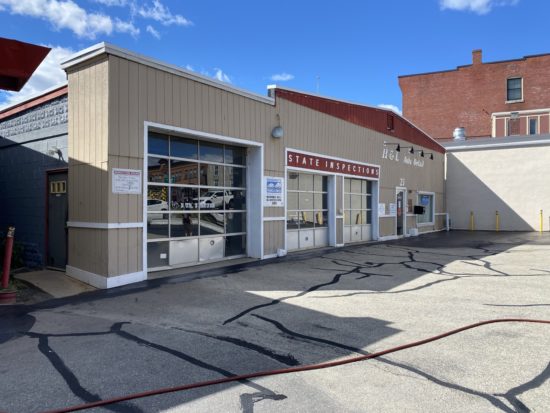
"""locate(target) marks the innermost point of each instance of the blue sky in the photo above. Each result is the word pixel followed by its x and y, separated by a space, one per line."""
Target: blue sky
pixel 354 50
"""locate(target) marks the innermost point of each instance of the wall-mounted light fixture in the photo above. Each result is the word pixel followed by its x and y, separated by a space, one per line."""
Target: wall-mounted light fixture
pixel 398 146
pixel 422 153
pixel 278 132
pixel 411 149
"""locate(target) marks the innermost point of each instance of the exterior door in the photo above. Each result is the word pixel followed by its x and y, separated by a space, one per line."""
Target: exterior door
pixel 400 201
pixel 57 220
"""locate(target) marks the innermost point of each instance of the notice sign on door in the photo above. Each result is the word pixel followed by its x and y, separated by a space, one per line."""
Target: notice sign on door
pixel 126 181
pixel 274 192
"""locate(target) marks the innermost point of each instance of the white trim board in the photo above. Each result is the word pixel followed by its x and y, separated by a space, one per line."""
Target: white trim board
pixel 213 137
pixel 499 145
pixel 525 111
pixel 274 219
pixel 104 225
pixel 100 281
pixel 388 238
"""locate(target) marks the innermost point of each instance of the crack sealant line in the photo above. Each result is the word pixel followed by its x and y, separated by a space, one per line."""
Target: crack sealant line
pixel 308 367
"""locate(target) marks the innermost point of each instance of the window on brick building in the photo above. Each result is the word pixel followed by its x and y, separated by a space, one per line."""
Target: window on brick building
pixel 533 126
pixel 514 91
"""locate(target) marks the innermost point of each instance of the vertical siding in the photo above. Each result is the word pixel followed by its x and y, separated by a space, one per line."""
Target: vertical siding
pixel 88 177
pixel 274 236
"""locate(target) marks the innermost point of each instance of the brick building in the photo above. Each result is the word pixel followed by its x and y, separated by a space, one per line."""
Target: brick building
pixel 492 99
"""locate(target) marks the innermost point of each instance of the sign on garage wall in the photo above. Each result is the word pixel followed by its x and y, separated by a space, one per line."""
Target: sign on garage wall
pixel 126 181
pixel 274 195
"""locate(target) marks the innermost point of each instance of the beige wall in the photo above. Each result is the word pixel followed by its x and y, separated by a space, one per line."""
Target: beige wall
pixel 512 181
pixel 110 99
pixel 88 163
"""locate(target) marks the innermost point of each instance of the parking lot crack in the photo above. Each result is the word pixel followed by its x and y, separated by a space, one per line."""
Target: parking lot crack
pixel 488 397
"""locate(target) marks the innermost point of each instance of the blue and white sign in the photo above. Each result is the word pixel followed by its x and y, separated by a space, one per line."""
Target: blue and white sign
pixel 274 191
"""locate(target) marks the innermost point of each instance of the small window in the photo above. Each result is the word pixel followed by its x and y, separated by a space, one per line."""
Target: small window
pixel 514 91
pixel 58 187
pixel 533 126
pixel 389 121
pixel 427 201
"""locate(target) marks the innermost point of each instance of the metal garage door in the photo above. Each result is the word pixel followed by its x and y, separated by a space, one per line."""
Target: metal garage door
pixel 357 210
pixel 307 211
pixel 196 201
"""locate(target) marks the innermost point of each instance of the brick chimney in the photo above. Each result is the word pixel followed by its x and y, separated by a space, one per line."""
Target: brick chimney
pixel 476 57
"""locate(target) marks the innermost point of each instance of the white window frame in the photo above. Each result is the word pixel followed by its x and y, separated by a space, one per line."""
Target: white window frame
pixel 514 100
pixel 425 224
pixel 254 179
pixel 537 129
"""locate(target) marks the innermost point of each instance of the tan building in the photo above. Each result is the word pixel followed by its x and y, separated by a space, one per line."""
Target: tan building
pixel 168 169
pixel 505 176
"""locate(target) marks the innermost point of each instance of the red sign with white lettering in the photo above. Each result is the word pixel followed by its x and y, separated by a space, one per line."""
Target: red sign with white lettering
pixel 320 163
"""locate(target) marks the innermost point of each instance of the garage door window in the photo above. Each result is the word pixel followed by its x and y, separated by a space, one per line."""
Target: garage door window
pixel 196 201
pixel 357 209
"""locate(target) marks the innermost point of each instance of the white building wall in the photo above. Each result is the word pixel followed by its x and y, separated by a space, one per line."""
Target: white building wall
pixel 515 181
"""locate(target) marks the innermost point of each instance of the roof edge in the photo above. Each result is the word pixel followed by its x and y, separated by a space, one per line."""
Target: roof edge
pixel 469 65
pixel 106 48
pixel 499 143
pixel 34 100
pixel 387 110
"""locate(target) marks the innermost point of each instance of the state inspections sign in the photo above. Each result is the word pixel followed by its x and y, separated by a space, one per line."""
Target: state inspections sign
pixel 274 191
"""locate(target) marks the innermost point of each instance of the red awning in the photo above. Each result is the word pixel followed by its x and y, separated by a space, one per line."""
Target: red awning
pixel 18 61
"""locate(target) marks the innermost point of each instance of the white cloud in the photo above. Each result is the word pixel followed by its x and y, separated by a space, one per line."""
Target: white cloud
pixel 150 29
pixel 476 6
pixel 47 75
pixel 218 74
pixel 66 14
pixel 126 27
pixel 222 77
pixel 282 77
pixel 390 107
pixel 190 68
pixel 112 3
pixel 163 15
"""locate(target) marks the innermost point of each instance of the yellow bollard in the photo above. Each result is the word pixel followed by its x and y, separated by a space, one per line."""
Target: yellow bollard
pixel 471 220
pixel 541 225
pixel 497 218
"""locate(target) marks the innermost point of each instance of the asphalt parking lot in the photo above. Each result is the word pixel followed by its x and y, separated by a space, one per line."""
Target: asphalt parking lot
pixel 307 308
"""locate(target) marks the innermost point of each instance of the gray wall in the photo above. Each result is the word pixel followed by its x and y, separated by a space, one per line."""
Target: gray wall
pixel 23 169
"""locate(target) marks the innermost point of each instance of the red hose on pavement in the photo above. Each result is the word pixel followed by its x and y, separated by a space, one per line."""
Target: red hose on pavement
pixel 290 369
